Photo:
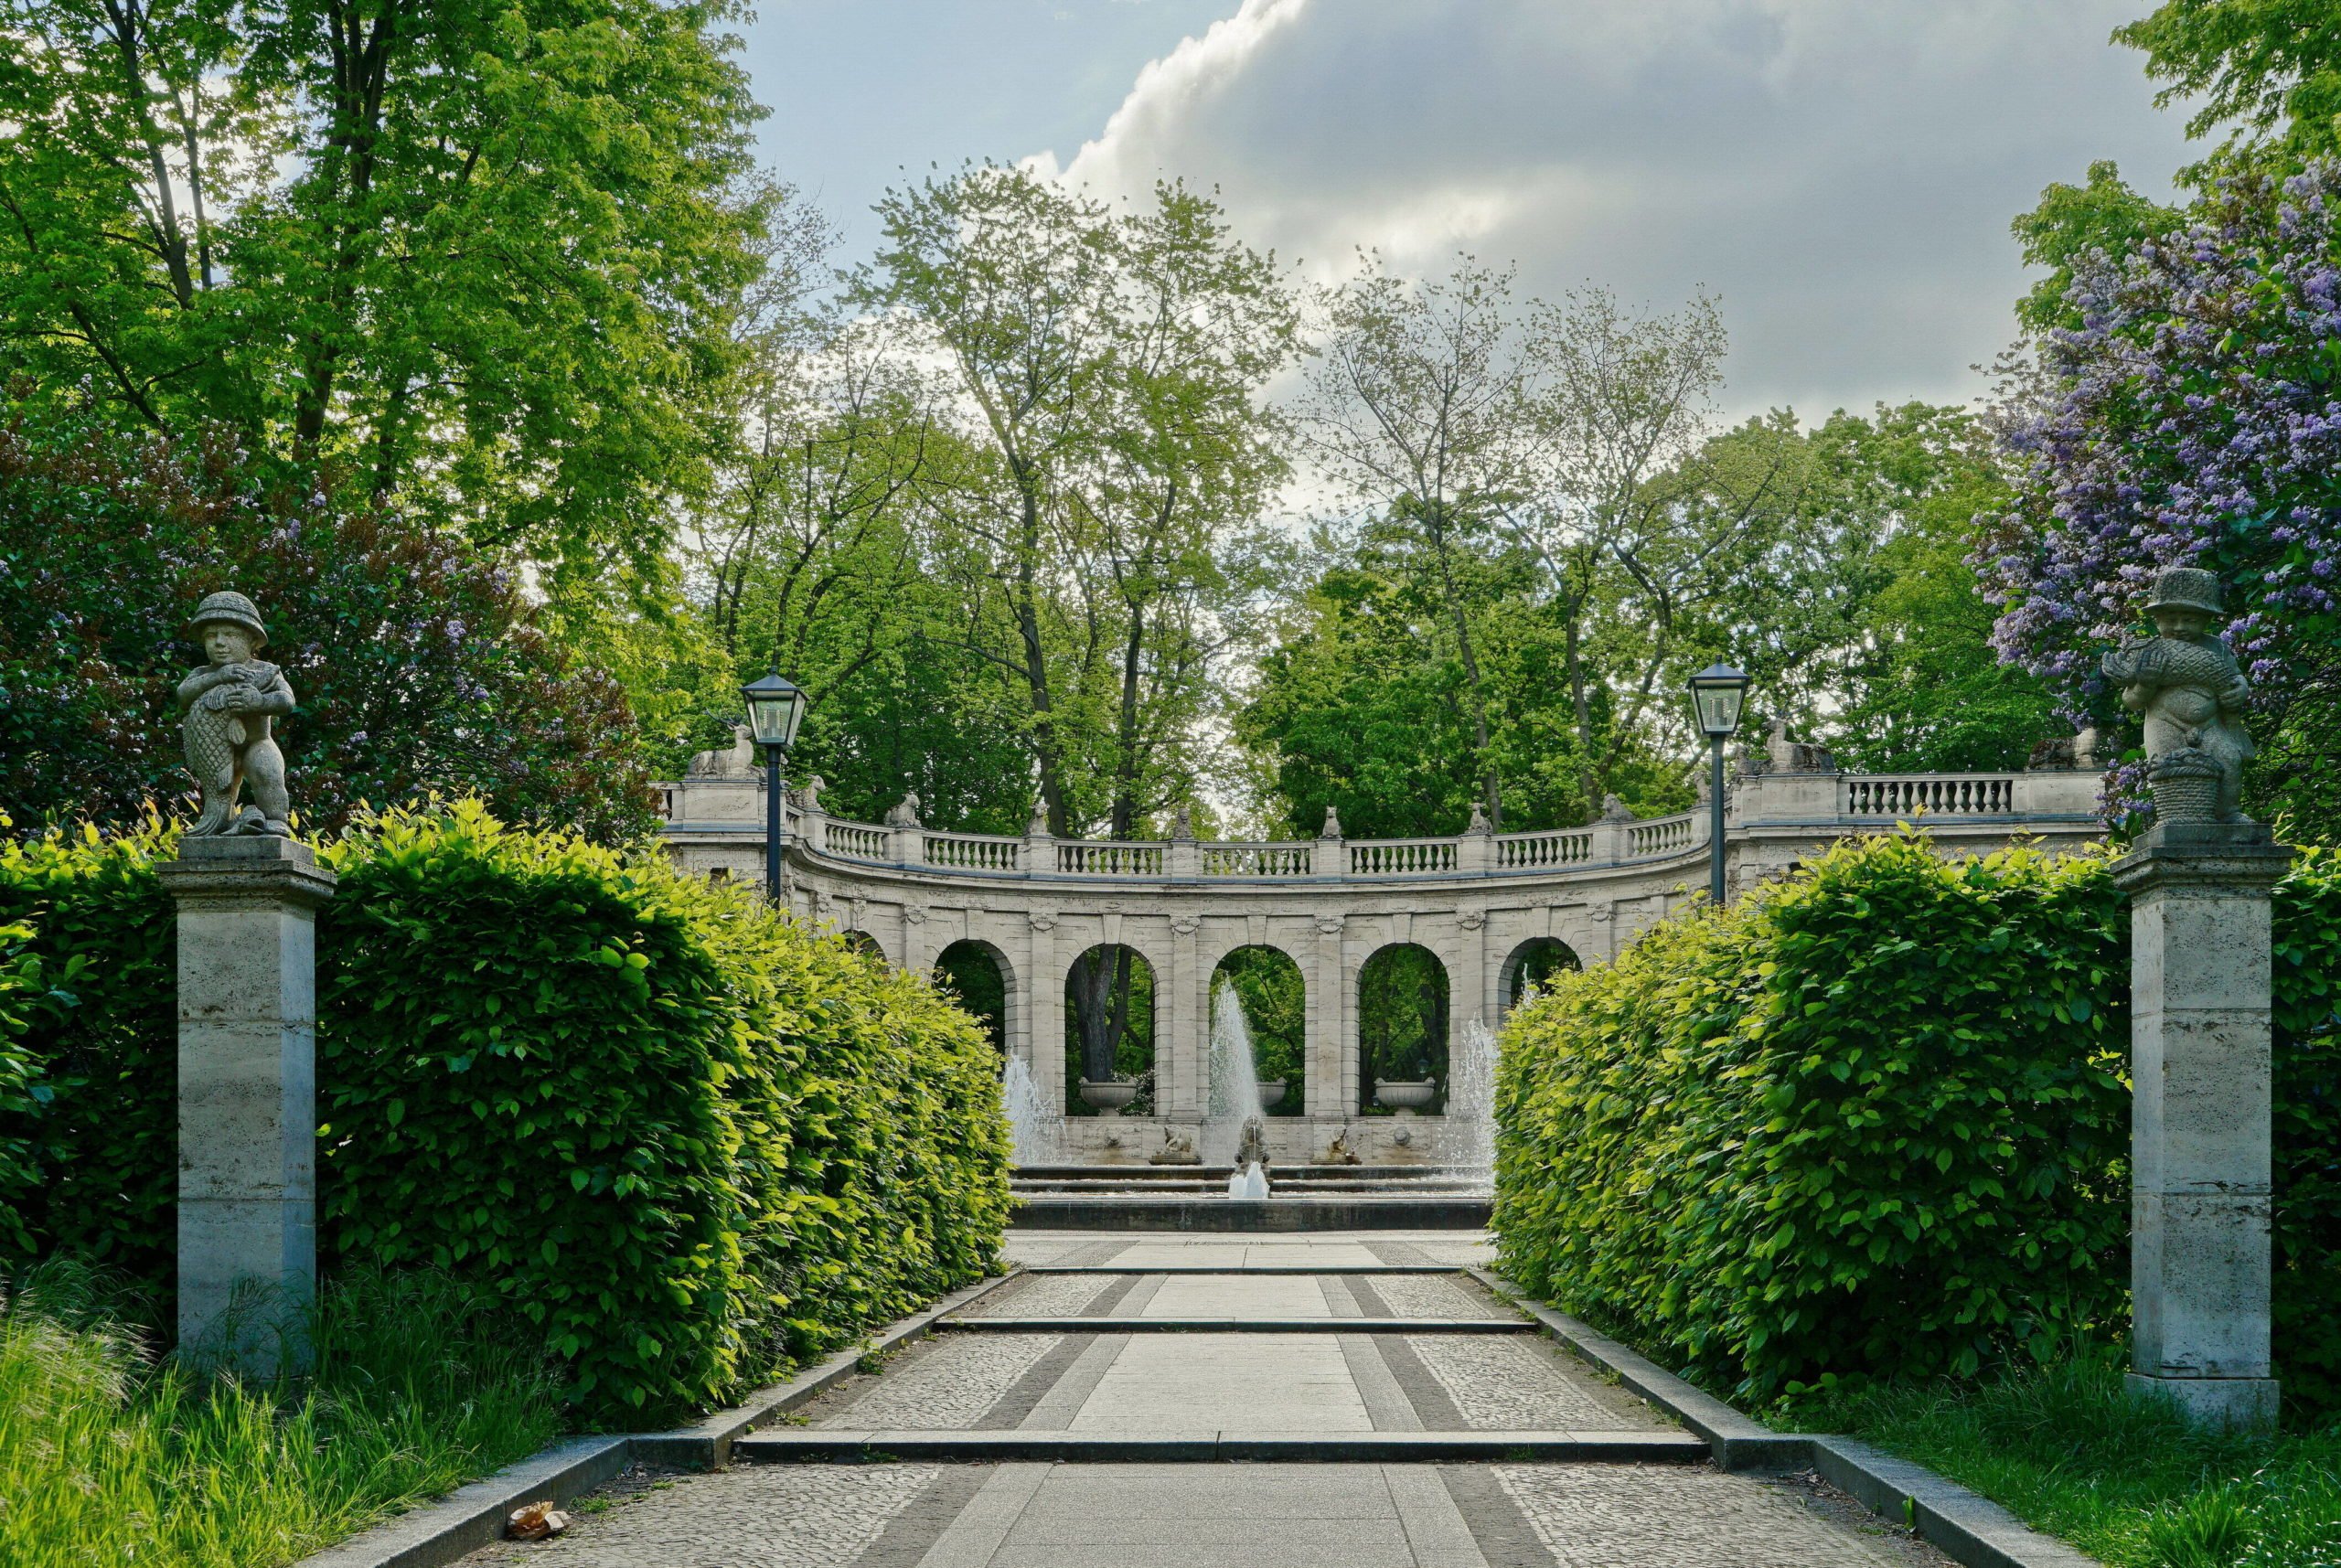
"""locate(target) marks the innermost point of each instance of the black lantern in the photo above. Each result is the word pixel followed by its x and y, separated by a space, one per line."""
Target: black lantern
pixel 775 707
pixel 1718 694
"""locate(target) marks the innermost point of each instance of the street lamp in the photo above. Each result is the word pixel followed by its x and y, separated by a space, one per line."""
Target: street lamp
pixel 1717 693
pixel 775 707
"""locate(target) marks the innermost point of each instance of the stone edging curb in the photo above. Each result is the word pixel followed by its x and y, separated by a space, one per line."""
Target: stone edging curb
pixel 1976 1531
pixel 470 1517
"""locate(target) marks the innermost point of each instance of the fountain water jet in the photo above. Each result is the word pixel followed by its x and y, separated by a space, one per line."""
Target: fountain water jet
pixel 1233 1121
pixel 1472 1104
pixel 1029 1123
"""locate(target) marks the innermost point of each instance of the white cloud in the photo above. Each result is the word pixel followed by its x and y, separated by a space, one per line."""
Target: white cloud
pixel 1842 172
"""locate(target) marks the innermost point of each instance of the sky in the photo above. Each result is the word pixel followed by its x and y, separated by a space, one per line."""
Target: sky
pixel 1840 173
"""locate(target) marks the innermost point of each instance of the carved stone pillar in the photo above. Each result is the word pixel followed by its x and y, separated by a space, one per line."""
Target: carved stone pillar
pixel 248 1097
pixel 2200 1121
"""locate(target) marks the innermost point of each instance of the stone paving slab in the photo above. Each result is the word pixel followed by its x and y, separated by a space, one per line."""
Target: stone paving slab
pixel 1678 1519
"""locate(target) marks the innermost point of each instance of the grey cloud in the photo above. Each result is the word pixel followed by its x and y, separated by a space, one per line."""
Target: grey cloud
pixel 1842 172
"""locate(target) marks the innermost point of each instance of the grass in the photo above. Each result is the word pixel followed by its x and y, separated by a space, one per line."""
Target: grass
pixel 2066 1450
pixel 108 1454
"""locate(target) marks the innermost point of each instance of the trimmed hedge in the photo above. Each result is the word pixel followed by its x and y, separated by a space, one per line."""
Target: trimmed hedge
pixel 1873 1121
pixel 689 1140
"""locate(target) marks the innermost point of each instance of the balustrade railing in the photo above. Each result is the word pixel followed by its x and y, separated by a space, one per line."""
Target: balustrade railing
pixel 856 842
pixel 1861 801
pixel 974 852
pixel 1942 795
pixel 1661 836
pixel 1082 859
pixel 1401 857
pixel 1536 852
pixel 1256 860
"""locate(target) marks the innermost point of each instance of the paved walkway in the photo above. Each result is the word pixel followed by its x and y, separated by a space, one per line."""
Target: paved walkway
pixel 1118 1340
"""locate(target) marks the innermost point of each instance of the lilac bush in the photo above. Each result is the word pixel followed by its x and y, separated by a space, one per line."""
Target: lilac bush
pixel 2192 418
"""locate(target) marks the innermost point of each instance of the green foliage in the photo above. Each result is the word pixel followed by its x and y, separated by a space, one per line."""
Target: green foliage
pixel 1867 1122
pixel 2067 1449
pixel 2270 68
pixel 1872 1122
pixel 484 256
pixel 416 661
pixel 685 1140
pixel 2307 1028
pixel 112 1457
pixel 101 1036
pixel 22 1091
pixel 1402 1010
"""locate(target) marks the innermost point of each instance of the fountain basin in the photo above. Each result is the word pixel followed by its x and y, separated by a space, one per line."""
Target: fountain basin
pixel 1110 1095
pixel 1406 1096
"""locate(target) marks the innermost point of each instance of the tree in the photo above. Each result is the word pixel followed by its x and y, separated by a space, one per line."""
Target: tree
pixel 1100 373
pixel 2272 68
pixel 414 659
pixel 479 262
pixel 2195 420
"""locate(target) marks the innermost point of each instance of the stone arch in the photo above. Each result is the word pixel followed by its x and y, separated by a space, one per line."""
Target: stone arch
pixel 983 979
pixel 862 942
pixel 1531 963
pixel 1404 1004
pixel 1112 1004
pixel 1273 989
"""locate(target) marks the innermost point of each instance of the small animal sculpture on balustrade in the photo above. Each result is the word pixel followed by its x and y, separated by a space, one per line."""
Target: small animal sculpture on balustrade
pixel 230 708
pixel 737 760
pixel 2187 684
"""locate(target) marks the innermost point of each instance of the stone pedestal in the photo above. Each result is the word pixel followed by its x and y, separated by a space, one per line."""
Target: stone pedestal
pixel 248 1121
pixel 2200 1132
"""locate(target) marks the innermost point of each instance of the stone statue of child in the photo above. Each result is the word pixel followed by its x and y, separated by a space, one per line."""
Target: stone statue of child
pixel 2187 684
pixel 230 708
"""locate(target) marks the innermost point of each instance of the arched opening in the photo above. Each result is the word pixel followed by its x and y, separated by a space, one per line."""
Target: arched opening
pixel 863 943
pixel 1532 967
pixel 1109 1033
pixel 978 977
pixel 1401 1029
pixel 1275 1003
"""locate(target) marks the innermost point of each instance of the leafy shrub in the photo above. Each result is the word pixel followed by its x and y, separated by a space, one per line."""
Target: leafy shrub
pixel 2307 1016
pixel 102 1132
pixel 1867 1121
pixel 1873 1121
pixel 686 1140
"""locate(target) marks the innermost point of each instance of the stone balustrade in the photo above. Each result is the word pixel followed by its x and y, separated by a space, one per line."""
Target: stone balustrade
pixel 1480 902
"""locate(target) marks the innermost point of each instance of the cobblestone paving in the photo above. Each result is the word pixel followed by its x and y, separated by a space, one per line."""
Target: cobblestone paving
pixel 1677 1517
pixel 946 1385
pixel 1429 1295
pixel 1501 1384
pixel 770 1516
pixel 1043 1295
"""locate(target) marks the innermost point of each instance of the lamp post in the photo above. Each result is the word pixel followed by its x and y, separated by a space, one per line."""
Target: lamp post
pixel 1717 693
pixel 775 707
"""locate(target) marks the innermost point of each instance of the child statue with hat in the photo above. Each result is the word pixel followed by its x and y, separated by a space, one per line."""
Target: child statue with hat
pixel 230 706
pixel 2187 684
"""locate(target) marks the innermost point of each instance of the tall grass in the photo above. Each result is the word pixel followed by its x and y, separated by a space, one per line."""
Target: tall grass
pixel 108 1456
pixel 2067 1449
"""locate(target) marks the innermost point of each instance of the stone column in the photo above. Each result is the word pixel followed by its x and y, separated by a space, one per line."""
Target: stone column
pixel 1047 1011
pixel 2200 1134
pixel 1182 1027
pixel 248 1092
pixel 1326 1008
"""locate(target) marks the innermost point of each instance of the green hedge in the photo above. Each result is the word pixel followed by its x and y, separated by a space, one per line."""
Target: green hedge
pixel 1873 1121
pixel 690 1141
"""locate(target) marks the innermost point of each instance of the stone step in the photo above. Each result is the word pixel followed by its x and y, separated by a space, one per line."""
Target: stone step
pixel 1206 1447
pixel 1455 1270
pixel 1196 1325
pixel 1164 1212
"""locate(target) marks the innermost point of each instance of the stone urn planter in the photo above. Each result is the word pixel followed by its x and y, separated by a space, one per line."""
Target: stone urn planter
pixel 1111 1095
pixel 1271 1094
pixel 1406 1096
